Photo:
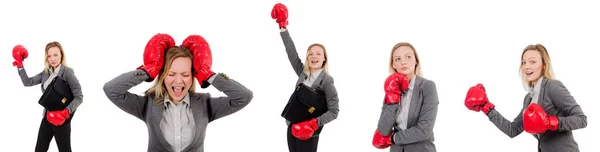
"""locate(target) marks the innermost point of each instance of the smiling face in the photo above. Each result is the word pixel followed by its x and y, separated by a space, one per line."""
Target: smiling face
pixel 532 65
pixel 315 58
pixel 179 78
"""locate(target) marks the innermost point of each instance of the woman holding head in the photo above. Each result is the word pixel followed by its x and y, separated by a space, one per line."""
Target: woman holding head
pixel 549 112
pixel 177 116
pixel 56 123
pixel 410 105
pixel 304 136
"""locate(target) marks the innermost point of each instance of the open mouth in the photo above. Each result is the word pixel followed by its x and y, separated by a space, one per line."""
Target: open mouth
pixel 313 62
pixel 529 73
pixel 178 90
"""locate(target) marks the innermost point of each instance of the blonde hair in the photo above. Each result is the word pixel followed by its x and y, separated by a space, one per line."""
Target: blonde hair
pixel 546 63
pixel 325 63
pixel 63 62
pixel 159 89
pixel 417 66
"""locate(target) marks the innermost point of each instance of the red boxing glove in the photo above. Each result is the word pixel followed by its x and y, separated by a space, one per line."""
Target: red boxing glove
pixel 202 58
pixel 19 54
pixel 280 14
pixel 393 87
pixel 154 54
pixel 380 141
pixel 58 117
pixel 537 121
pixel 477 100
pixel 305 130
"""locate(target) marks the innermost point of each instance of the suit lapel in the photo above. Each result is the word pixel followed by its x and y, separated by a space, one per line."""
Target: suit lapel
pixel 414 100
pixel 301 79
pixel 542 93
pixel 540 101
pixel 61 72
pixel 156 114
pixel 318 80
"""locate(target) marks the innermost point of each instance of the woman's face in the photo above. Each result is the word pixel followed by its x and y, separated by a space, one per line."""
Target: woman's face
pixel 531 65
pixel 404 61
pixel 316 57
pixel 54 56
pixel 179 78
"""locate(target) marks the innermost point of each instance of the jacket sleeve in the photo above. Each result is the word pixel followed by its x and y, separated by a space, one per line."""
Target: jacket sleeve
pixel 75 89
pixel 237 97
pixel 511 129
pixel 333 107
pixel 290 48
pixel 27 81
pixel 117 92
pixel 387 118
pixel 573 115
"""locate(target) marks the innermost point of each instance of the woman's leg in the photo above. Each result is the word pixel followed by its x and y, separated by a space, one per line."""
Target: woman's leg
pixel 291 139
pixel 62 135
pixel 44 136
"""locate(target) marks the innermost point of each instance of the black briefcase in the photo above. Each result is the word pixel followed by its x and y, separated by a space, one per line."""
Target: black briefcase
pixel 57 95
pixel 304 104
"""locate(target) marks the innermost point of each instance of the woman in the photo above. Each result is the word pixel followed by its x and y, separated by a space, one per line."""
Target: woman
pixel 304 136
pixel 57 123
pixel 410 105
pixel 549 112
pixel 177 116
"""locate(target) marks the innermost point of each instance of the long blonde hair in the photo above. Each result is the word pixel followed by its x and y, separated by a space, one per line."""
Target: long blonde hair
pixel 63 62
pixel 417 66
pixel 159 90
pixel 325 63
pixel 547 64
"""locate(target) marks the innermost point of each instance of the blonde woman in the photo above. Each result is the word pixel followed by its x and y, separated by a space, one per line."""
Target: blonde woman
pixel 410 105
pixel 549 112
pixel 177 116
pixel 57 123
pixel 304 136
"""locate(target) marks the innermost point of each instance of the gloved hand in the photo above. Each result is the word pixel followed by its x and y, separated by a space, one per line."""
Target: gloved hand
pixel 537 121
pixel 380 141
pixel 19 54
pixel 280 14
pixel 154 54
pixel 202 58
pixel 58 117
pixel 393 87
pixel 305 130
pixel 477 100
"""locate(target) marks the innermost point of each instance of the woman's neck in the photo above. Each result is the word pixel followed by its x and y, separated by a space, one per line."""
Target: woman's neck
pixel 410 77
pixel 313 71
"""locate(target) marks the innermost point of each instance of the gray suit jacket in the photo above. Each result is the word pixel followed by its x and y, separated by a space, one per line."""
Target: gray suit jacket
pixel 556 101
pixel 323 82
pixel 67 74
pixel 205 108
pixel 418 137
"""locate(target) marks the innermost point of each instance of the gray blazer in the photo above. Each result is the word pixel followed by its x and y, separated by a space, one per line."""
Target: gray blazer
pixel 67 74
pixel 204 107
pixel 556 101
pixel 323 82
pixel 418 137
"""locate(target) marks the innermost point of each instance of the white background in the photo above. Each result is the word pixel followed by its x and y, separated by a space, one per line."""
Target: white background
pixel 460 43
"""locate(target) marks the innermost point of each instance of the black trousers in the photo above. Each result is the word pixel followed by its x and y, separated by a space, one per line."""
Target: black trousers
pixel 61 134
pixel 297 145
